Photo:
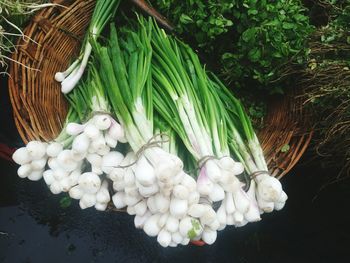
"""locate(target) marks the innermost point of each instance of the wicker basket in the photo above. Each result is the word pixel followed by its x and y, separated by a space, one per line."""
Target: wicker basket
pixel 40 108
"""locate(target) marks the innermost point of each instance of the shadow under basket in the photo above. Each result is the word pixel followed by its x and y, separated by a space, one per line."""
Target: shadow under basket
pixel 40 108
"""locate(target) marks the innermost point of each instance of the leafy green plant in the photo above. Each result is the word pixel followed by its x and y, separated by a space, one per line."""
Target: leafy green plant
pixel 206 20
pixel 250 39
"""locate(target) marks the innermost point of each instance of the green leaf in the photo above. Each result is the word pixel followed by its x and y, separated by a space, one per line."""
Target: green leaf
pixel 185 19
pixel 274 22
pixel 219 22
pixel 287 25
pixel 300 17
pixel 227 56
pixel 254 54
pixel 229 23
pixel 252 12
pixel 249 34
pixel 277 54
pixel 65 202
pixel 285 148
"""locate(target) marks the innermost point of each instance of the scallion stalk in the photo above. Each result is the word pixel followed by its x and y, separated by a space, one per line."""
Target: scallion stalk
pixel 104 10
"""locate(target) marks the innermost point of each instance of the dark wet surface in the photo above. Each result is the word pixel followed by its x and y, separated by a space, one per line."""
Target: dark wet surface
pixel 35 228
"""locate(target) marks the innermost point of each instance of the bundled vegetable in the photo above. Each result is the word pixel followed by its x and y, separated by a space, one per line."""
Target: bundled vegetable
pixel 153 186
pixel 183 99
pixel 192 164
pixel 79 159
pixel 245 144
pixel 189 100
pixel 103 11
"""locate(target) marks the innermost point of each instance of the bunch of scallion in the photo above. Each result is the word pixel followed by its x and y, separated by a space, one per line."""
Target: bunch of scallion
pixel 191 163
pixel 80 159
pixel 103 12
pixel 214 127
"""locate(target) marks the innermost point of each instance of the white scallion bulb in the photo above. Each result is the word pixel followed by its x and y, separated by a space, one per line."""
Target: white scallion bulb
pixel 119 200
pixel 119 185
pixel 204 184
pixel 221 214
pixel 59 174
pixel 74 129
pixel 81 143
pixel 163 219
pixel 164 238
pixel 139 221
pixel 88 200
pixel 209 236
pixel 217 194
pixel 38 164
pixel 189 182
pixel 65 184
pixel 66 161
pixel 241 201
pixel 141 208
pixel 35 175
pixel 48 177
pixel 238 217
pixel 110 160
pixel 172 224
pixel 162 203
pixel 60 76
pixel 229 204
pixel 53 149
pixel 265 206
pixel 178 207
pixel 53 163
pixel 24 170
pixel 102 121
pixel 151 227
pixel 152 205
pixel 89 182
pixel 208 217
pixel 131 210
pixel 36 149
pixel 110 141
pixel 238 168
pixel 91 131
pixel 132 200
pixel 181 192
pixel 21 156
pixel 101 206
pixel 269 188
pixel 227 163
pixel 190 227
pixel 55 187
pixel 193 198
pixel 145 172
pixel 76 192
pixel 116 131
pixel 197 210
pixel 94 159
pixel 147 191
pixel 213 170
pixel 176 237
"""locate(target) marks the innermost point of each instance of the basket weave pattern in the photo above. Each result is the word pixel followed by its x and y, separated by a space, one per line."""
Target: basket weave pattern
pixel 40 108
